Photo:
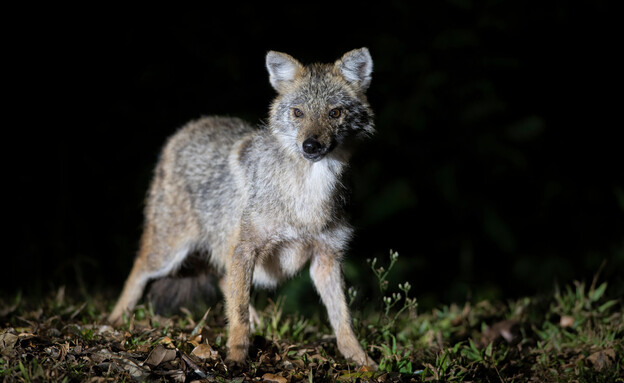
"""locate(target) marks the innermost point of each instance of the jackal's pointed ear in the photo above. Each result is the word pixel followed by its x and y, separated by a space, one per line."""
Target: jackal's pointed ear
pixel 356 66
pixel 282 69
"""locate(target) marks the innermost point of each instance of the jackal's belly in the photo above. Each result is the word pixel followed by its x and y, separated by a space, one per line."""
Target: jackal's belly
pixel 282 264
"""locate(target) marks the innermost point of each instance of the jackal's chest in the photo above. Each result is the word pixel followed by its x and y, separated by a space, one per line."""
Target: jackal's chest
pixel 310 199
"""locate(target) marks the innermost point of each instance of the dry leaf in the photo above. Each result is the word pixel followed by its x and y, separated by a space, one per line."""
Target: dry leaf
pixel 7 340
pixel 193 366
pixel 602 359
pixel 506 329
pixel 566 321
pixel 366 368
pixel 167 342
pixel 195 341
pixel 26 335
pixel 122 364
pixel 133 369
pixel 350 376
pixel 53 351
pixel 319 357
pixel 101 355
pixel 204 351
pixel 286 365
pixel 274 378
pixel 299 363
pixel 177 376
pixel 160 354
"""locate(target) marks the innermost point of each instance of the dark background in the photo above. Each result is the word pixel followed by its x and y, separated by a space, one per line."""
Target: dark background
pixel 495 171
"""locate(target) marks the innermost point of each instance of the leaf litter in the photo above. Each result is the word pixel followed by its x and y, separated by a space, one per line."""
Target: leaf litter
pixel 533 339
pixel 67 343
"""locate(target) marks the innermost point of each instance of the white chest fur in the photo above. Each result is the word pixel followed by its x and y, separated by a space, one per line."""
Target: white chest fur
pixel 310 194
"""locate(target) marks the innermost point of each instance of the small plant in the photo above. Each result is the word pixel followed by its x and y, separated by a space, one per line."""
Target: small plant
pixel 446 366
pixel 274 325
pixel 579 326
pixel 580 305
pixel 389 320
pixel 574 334
pixel 394 358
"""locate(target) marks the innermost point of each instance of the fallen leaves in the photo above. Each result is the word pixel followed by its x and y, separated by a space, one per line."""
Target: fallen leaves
pixel 160 354
pixel 64 341
pixel 150 348
pixel 118 365
pixel 7 341
pixel 566 321
pixel 504 330
pixel 204 351
pixel 602 359
pixel 272 378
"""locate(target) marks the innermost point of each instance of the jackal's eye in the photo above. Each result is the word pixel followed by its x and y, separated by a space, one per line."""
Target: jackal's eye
pixel 297 113
pixel 335 113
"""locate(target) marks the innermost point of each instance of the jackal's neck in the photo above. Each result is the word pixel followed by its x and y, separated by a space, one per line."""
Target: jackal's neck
pixel 311 192
pixel 318 179
pixel 315 193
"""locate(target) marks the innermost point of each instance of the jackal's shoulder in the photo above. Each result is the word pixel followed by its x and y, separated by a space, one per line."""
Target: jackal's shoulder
pixel 214 128
pixel 213 133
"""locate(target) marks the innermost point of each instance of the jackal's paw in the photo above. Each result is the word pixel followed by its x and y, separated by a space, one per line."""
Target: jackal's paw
pixel 370 364
pixel 364 360
pixel 114 319
pixel 351 350
pixel 235 366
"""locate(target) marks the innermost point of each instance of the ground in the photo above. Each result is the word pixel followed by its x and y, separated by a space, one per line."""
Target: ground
pixel 574 334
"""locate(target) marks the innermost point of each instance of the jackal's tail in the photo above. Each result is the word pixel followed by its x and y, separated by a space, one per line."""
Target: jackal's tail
pixel 193 287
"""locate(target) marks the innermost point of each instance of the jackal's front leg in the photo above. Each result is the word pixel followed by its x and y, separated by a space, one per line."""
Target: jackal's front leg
pixel 326 272
pixel 238 282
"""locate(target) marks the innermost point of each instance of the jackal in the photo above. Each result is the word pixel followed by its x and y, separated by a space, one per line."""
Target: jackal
pixel 262 202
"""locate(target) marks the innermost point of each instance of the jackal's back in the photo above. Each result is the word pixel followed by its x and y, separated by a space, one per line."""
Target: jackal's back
pixel 195 191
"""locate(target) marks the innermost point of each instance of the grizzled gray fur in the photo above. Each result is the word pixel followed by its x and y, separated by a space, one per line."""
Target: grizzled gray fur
pixel 262 202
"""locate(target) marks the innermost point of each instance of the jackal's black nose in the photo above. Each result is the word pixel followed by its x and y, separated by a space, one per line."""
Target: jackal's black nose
pixel 312 147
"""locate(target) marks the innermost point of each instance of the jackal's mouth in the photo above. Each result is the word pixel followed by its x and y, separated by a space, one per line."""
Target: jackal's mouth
pixel 314 157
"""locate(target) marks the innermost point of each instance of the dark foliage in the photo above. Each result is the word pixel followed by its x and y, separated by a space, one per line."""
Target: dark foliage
pixel 495 169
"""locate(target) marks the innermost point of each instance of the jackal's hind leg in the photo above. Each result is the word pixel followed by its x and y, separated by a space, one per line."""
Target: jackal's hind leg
pixel 148 265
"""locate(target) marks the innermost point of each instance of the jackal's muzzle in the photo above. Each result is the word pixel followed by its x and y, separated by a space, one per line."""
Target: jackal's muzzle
pixel 314 150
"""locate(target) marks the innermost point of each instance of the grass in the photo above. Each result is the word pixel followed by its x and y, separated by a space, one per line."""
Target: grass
pixel 573 334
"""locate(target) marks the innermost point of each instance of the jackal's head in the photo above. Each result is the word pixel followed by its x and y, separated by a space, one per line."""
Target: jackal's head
pixel 320 108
